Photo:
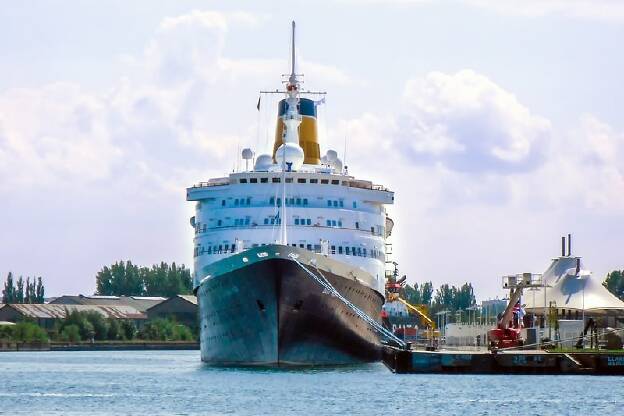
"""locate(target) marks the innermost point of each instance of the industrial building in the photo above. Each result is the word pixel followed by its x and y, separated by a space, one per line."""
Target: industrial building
pixel 45 315
pixel 182 308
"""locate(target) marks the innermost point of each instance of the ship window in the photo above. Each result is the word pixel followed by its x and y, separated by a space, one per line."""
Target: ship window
pixel 354 251
pixel 272 221
pixel 324 181
pixel 292 201
pixel 302 245
pixel 339 223
pixel 313 180
pixel 243 180
pixel 209 250
pixel 372 230
pixel 309 221
pixel 279 202
pixel 329 223
pixel 333 223
pixel 359 251
pixel 236 202
pixel 341 202
pixel 266 221
pixel 253 180
pixel 329 203
pixel 335 182
pixel 339 249
pixel 336 204
pixel 219 222
pixel 289 180
pixel 276 180
pixel 301 180
pixel 247 220
pixel 333 249
pixel 248 201
pixel 264 180
pixel 272 200
pixel 354 204
pixel 364 252
pixel 236 221
pixel 254 245
pixel 220 248
pixel 296 221
pixel 298 201
pixel 348 251
pixel 223 202
pixel 305 201
pixel 309 247
pixel 317 248
pixel 357 225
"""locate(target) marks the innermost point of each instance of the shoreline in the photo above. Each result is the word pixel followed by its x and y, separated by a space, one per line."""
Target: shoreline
pixel 101 346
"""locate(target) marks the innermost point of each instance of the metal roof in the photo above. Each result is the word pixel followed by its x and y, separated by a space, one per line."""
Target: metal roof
pixel 189 298
pixel 141 303
pixel 59 311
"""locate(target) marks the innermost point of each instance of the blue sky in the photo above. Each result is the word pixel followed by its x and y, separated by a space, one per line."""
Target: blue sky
pixel 498 124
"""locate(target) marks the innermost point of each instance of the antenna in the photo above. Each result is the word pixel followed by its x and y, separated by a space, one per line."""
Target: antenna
pixel 293 78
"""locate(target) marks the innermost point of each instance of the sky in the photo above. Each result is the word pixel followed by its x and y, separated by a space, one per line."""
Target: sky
pixel 497 123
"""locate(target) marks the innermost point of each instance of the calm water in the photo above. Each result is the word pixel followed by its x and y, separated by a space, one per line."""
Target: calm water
pixel 166 383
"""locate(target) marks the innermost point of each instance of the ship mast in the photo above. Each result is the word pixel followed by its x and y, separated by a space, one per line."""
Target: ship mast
pixel 291 121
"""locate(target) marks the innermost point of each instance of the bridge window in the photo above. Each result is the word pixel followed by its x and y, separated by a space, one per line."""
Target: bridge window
pixel 264 180
pixel 289 180
pixel 276 180
pixel 243 180
pixel 301 180
pixel 253 180
pixel 313 180
pixel 324 181
pixel 335 182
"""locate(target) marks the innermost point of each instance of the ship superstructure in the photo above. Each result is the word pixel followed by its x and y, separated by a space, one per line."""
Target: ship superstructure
pixel 262 237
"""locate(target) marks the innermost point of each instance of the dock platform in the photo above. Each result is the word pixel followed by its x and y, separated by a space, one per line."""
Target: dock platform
pixel 503 362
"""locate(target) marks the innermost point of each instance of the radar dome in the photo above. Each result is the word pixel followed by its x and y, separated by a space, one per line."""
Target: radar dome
pixel 247 154
pixel 324 160
pixel 332 155
pixel 263 162
pixel 293 153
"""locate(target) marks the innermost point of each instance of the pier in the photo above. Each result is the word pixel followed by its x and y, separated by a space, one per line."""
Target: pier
pixel 402 361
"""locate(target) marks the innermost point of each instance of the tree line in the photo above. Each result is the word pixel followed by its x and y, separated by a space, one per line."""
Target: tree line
pixel 23 291
pixel 445 297
pixel 615 283
pixel 125 278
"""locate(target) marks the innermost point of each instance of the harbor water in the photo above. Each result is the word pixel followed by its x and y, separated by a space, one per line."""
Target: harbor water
pixel 177 383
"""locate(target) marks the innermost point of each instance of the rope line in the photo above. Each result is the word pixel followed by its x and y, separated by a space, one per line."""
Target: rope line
pixel 361 314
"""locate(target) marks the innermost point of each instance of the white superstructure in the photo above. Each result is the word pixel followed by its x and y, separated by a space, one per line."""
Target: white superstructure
pixel 282 199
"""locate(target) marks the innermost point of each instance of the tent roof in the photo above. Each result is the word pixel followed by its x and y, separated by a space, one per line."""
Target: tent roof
pixel 571 290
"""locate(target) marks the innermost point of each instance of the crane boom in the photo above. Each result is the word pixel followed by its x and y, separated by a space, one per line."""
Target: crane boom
pixel 418 311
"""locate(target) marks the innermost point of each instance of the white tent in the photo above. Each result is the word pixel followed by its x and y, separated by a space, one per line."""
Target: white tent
pixel 571 287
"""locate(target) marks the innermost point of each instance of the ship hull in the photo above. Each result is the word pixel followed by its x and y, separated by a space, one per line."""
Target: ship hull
pixel 271 312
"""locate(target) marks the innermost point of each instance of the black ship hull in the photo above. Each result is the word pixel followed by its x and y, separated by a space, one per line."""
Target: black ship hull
pixel 267 310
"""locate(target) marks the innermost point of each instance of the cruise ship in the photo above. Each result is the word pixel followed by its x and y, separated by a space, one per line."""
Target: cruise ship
pixel 289 253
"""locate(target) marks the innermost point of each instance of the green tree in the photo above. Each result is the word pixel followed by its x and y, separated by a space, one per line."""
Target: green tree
pixel 39 291
pixel 615 283
pixel 8 294
pixel 114 330
pixel 19 292
pixel 99 324
pixel 71 333
pixel 23 332
pixel 128 329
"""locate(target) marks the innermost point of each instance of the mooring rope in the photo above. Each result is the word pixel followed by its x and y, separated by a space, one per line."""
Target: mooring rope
pixel 361 314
